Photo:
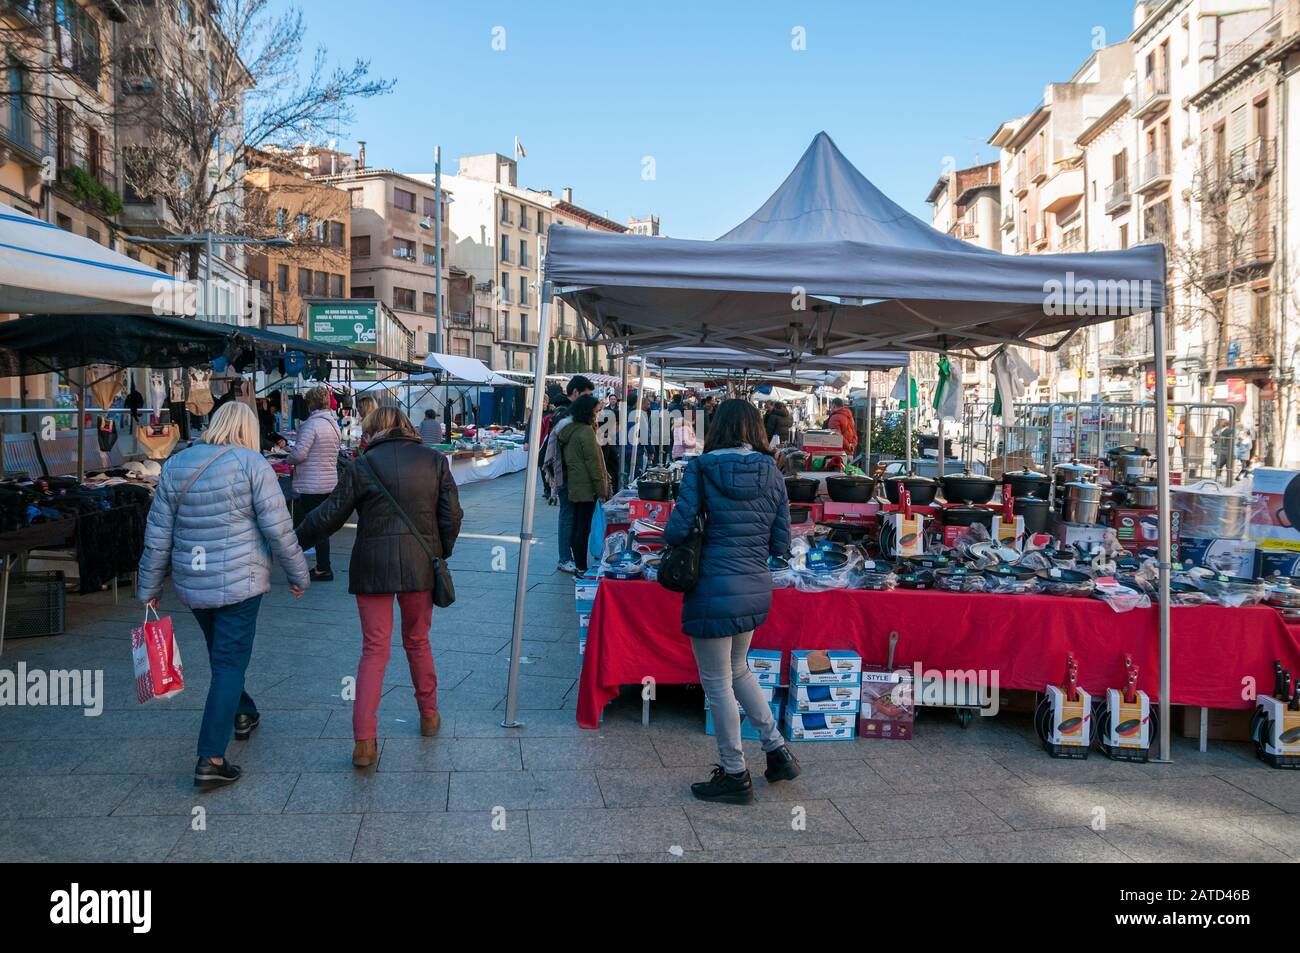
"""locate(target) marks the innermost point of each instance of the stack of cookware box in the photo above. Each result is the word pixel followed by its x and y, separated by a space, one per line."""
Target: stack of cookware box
pixel 766 666
pixel 825 695
pixel 584 597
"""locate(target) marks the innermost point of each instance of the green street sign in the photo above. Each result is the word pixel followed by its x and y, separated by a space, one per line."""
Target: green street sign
pixel 353 324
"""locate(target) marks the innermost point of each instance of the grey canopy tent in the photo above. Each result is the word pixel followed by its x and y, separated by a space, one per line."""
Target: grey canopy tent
pixel 829 265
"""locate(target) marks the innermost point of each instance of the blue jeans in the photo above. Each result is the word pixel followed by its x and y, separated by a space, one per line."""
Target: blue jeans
pixel 565 531
pixel 229 632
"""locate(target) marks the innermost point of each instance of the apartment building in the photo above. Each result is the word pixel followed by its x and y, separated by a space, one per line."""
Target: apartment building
pixel 646 226
pixel 471 305
pixel 391 240
pixel 317 216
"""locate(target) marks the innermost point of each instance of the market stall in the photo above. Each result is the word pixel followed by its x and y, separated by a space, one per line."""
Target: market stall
pixel 867 275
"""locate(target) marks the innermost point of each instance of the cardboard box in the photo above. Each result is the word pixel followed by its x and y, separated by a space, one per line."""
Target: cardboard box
pixel 831 508
pixel 1276 562
pixel 1232 557
pixel 656 511
pixel 584 588
pixel 825 697
pixel 747 729
pixel 766 665
pixel 845 667
pixel 1136 528
pixel 769 692
pixel 818 726
pixel 1222 724
pixel 888 705
pixel 1269 525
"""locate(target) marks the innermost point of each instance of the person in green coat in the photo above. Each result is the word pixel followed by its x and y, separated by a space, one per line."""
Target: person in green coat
pixel 585 477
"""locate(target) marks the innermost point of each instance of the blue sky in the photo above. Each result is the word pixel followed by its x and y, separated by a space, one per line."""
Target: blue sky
pixel 711 89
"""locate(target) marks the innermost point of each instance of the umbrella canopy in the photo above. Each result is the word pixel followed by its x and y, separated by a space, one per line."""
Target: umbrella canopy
pixel 45 269
pixel 828 274
pixel 466 370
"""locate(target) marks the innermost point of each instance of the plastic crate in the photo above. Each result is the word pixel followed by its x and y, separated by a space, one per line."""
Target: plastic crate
pixel 36 604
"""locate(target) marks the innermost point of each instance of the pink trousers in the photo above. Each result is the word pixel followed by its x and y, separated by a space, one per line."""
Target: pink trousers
pixel 376 640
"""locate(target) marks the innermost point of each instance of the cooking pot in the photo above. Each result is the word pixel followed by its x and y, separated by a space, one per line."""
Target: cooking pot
pixel 1209 511
pixel 1144 495
pixel 1034 511
pixel 849 489
pixel 1128 463
pixel 968 487
pixel 1282 594
pixel 1028 483
pixel 1073 471
pixel 656 490
pixel 921 488
pixel 801 489
pixel 967 516
pixel 1081 503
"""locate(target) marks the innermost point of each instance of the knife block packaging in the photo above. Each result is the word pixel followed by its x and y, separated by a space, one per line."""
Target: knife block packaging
pixel 843 698
pixel 888 705
pixel 1127 735
pixel 818 726
pixel 825 667
pixel 1277 731
pixel 1069 732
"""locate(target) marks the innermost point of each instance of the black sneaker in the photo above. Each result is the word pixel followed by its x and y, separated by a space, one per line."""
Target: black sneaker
pixel 208 774
pixel 781 765
pixel 322 575
pixel 244 725
pixel 725 788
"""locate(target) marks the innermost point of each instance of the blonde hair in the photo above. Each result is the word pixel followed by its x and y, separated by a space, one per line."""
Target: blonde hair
pixel 384 420
pixel 366 406
pixel 318 398
pixel 234 424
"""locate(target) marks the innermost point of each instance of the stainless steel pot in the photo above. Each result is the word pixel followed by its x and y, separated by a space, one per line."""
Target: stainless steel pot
pixel 1082 502
pixel 1063 473
pixel 1128 464
pixel 1209 511
pixel 1143 495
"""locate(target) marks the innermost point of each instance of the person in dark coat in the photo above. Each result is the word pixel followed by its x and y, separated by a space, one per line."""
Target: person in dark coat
pixel 389 561
pixel 778 422
pixel 741 493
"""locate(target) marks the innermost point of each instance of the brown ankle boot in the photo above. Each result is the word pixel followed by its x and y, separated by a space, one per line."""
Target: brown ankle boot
pixel 365 753
pixel 430 724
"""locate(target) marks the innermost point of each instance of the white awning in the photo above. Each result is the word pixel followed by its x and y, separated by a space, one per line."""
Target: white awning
pixel 47 270
pixel 467 370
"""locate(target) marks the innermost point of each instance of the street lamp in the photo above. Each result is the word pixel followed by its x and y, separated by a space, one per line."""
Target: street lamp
pixel 207 240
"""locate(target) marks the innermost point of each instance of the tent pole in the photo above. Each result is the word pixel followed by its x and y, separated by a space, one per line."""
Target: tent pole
pixel 663 405
pixel 530 500
pixel 1162 522
pixel 640 437
pixel 81 428
pixel 866 460
pixel 907 417
pixel 621 417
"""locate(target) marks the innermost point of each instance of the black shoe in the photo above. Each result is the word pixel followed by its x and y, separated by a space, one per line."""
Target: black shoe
pixel 781 765
pixel 244 725
pixel 725 788
pixel 208 774
pixel 322 575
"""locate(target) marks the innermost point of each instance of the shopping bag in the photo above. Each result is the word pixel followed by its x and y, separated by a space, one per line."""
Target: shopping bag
pixel 157 658
pixel 596 541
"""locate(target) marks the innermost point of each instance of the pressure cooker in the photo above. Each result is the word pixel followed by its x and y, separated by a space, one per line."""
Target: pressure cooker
pixel 1081 502
pixel 1128 464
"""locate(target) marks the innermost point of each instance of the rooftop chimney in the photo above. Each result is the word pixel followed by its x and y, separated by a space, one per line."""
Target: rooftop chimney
pixel 361 154
pixel 568 195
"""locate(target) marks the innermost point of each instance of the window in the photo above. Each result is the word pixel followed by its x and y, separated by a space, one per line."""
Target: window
pixel 304 281
pixel 430 257
pixel 1123 237
pixel 360 246
pixel 282 278
pixel 460 347
pixel 523 253
pixel 404 248
pixel 523 327
pixel 404 299
pixel 302 223
pixel 429 346
pixel 505 212
pixel 523 289
pixel 320 284
pixel 93 234
pixel 430 207
pixel 541 223
pixel 430 303
pixel 1261 118
pixel 404 200
pixel 505 286
pixel 77 40
pixel 523 215
pixel 505 248
pixel 357 197
pixel 366 291
pixel 335 234
pixel 484 353
pixel 336 286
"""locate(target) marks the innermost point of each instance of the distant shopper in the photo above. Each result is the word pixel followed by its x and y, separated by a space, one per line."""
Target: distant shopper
pixel 430 428
pixel 585 480
pixel 841 421
pixel 553 464
pixel 315 456
pixel 388 561
pixel 1222 445
pixel 778 422
pixel 735 484
pixel 216 518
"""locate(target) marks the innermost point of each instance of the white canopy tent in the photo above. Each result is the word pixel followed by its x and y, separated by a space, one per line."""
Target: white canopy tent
pixel 467 370
pixel 830 266
pixel 48 270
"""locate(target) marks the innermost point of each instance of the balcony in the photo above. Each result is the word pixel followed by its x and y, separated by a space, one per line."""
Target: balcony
pixel 1247 347
pixel 1157 171
pixel 1008 218
pixel 963 230
pixel 1062 190
pixel 1037 169
pixel 1118 196
pixel 1152 95
pixel 89 183
pixel 1022 180
pixel 1243 249
pixel 513 335
pixel 24 131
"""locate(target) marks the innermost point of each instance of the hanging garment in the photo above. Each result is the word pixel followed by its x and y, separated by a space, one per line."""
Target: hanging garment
pixel 107 384
pixel 158 441
pixel 1011 375
pixel 134 401
pixel 176 391
pixel 157 395
pixel 200 400
pixel 298 408
pixel 180 416
pixel 295 362
pixel 246 394
pixel 107 432
pixel 947 393
pixel 899 392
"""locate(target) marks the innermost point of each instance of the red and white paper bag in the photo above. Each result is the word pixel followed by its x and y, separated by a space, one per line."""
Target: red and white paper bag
pixel 157 659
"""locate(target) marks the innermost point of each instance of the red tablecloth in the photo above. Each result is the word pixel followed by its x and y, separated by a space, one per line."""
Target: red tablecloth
pixel 635 632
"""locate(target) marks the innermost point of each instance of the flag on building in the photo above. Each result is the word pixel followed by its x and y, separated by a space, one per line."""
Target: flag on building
pixel 519 150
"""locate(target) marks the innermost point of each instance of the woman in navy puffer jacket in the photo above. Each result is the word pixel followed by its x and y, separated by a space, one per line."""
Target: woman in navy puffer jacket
pixel 737 486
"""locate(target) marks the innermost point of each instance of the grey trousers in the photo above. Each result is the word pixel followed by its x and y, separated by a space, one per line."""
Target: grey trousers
pixel 727 681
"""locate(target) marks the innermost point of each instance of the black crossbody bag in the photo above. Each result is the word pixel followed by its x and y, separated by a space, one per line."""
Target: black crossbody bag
pixel 679 566
pixel 444 590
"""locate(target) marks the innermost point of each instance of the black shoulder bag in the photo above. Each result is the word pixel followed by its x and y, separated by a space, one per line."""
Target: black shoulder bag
pixel 444 591
pixel 679 566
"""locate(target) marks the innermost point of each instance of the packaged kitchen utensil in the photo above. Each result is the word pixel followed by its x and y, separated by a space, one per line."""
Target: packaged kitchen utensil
pixel 1275 726
pixel 1063 718
pixel 844 698
pixel 1118 596
pixel 1209 511
pixel 1126 722
pixel 818 725
pixel 824 667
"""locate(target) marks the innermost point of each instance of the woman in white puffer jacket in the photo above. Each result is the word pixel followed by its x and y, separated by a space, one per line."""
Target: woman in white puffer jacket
pixel 216 518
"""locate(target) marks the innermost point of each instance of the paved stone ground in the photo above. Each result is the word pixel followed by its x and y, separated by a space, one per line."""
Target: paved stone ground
pixel 117 787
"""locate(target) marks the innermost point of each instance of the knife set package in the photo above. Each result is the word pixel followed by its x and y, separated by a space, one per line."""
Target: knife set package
pixel 888 704
pixel 1275 726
